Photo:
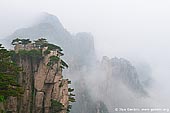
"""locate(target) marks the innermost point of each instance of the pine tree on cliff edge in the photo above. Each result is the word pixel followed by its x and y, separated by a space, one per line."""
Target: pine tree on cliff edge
pixel 8 76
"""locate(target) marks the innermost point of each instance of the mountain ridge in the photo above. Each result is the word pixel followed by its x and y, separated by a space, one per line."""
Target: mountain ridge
pixel 80 54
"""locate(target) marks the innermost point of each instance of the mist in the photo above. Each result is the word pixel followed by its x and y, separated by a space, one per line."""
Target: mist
pixel 135 30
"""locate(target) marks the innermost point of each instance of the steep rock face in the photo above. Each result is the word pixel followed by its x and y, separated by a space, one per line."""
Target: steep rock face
pixel 118 75
pixel 79 48
pixel 42 85
pixel 118 84
pixel 122 70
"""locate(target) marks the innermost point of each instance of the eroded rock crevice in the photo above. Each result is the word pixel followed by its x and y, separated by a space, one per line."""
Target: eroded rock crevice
pixel 43 85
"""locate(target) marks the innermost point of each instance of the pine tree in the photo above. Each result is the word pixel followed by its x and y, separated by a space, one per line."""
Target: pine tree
pixel 8 76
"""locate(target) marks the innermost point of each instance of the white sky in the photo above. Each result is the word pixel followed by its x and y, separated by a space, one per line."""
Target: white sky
pixel 134 29
pixel 127 28
pixel 130 26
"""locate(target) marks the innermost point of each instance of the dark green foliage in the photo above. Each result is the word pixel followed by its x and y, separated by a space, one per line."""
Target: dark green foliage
pixel 72 99
pixel 8 75
pixel 46 52
pixel 60 53
pixel 40 42
pixel 25 41
pixel 69 82
pixel 56 106
pixel 64 64
pixel 20 41
pixel 53 60
pixel 69 108
pixel 16 41
pixel 2 98
pixel 72 94
pixel 52 47
pixel 50 64
pixel 34 54
pixel 61 85
pixel 62 67
pixel 70 90
pixel 2 111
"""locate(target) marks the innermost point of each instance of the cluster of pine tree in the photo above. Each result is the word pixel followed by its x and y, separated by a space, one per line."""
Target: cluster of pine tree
pixel 8 76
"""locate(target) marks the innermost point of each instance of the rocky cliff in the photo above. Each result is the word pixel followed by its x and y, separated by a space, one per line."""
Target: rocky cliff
pixel 79 53
pixel 117 84
pixel 122 70
pixel 45 89
pixel 98 86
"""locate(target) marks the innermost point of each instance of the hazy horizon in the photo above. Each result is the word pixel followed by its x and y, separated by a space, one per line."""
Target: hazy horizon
pixel 136 30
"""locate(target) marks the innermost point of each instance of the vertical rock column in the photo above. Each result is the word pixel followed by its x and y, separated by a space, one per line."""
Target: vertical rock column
pixel 49 85
pixel 41 84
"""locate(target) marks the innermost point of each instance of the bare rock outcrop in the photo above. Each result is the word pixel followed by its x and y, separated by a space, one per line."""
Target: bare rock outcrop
pixel 42 86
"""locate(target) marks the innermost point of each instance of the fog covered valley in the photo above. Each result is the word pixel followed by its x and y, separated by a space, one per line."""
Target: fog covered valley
pixel 105 81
